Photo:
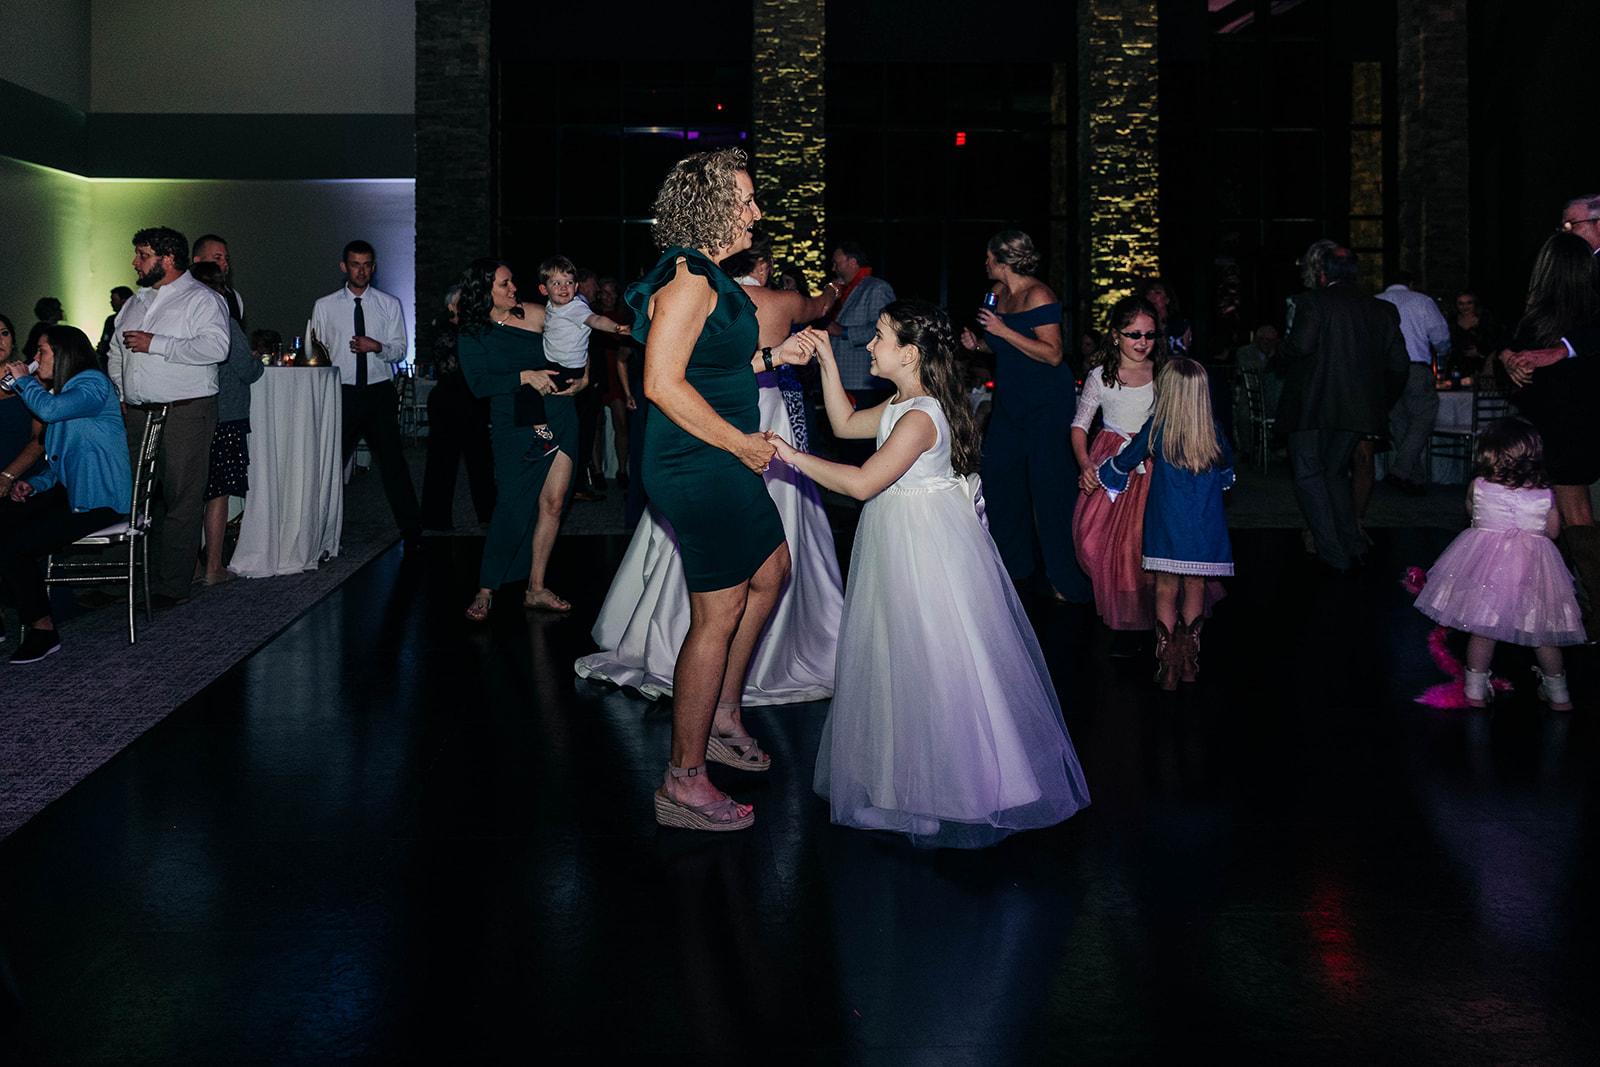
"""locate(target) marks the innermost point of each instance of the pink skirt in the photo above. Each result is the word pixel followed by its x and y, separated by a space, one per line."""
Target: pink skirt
pixel 1510 585
pixel 1109 538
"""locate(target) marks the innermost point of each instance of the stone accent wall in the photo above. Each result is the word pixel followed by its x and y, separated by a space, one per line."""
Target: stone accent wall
pixel 454 187
pixel 790 151
pixel 1119 179
pixel 1061 252
pixel 1431 72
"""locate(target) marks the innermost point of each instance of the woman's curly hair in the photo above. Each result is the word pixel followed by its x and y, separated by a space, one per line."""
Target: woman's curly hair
pixel 1014 249
pixel 1510 452
pixel 1109 354
pixel 925 325
pixel 477 296
pixel 698 204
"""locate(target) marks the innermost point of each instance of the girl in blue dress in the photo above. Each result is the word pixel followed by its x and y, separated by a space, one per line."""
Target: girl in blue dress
pixel 1185 530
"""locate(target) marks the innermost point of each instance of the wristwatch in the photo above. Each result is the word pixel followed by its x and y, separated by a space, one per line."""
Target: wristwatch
pixel 766 357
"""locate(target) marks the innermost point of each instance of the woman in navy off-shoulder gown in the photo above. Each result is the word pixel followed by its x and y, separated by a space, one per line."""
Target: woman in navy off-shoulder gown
pixel 1029 474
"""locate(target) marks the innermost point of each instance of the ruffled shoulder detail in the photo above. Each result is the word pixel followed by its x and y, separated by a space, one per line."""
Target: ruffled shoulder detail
pixel 732 304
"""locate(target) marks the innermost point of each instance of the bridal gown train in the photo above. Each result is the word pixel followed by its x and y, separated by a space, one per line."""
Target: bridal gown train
pixel 646 612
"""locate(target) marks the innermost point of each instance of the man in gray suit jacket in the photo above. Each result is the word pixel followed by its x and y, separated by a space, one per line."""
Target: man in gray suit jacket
pixel 1347 365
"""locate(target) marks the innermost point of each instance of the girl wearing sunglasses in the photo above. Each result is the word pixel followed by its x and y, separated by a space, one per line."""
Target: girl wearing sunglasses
pixel 1119 386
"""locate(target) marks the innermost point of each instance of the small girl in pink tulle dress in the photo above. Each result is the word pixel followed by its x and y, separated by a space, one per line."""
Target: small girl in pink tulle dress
pixel 1503 579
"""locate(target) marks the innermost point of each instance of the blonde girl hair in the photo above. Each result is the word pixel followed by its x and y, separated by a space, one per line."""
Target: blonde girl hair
pixel 1182 420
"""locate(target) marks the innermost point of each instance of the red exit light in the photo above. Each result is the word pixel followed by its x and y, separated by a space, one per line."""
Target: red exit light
pixel 961 137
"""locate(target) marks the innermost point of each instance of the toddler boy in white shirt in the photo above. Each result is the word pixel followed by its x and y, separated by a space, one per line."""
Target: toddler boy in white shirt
pixel 567 325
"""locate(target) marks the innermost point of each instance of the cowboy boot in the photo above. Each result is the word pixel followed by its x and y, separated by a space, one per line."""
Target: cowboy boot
pixel 1169 654
pixel 1190 664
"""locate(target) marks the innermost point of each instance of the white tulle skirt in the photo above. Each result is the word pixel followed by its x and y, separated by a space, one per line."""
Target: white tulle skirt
pixel 646 612
pixel 945 724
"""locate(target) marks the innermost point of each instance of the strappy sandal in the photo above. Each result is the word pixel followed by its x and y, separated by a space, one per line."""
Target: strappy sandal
pixel 737 751
pixel 544 600
pixel 478 610
pixel 717 817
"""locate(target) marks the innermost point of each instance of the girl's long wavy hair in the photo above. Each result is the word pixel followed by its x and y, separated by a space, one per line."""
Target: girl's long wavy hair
pixel 477 296
pixel 1510 452
pixel 1182 420
pixel 1109 354
pixel 1561 291
pixel 698 203
pixel 926 326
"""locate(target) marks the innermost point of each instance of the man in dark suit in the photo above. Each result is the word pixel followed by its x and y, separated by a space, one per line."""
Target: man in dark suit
pixel 1347 365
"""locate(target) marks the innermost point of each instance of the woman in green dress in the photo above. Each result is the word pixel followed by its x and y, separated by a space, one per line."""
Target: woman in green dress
pixel 703 459
pixel 501 349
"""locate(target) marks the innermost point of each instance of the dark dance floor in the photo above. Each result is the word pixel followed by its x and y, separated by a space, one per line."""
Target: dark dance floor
pixel 387 836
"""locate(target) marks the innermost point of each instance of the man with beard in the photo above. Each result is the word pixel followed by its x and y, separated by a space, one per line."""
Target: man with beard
pixel 168 340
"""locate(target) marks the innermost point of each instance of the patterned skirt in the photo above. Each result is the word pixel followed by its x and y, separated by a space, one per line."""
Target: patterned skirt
pixel 230 460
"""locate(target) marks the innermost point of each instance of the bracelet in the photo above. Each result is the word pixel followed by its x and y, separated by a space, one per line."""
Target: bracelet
pixel 766 357
pixel 8 476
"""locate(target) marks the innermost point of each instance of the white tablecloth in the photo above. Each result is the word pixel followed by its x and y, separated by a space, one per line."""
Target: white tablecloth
pixel 1454 416
pixel 294 512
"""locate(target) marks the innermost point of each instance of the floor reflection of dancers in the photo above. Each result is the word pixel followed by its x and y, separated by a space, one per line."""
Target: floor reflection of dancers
pixel 646 612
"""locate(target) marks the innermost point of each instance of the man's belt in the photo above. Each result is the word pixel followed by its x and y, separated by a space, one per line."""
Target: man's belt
pixel 152 408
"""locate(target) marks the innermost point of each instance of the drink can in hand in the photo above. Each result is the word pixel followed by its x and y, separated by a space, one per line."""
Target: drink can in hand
pixel 990 300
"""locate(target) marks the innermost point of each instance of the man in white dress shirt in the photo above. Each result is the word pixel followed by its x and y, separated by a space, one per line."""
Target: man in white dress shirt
pixel 1427 335
pixel 364 330
pixel 165 347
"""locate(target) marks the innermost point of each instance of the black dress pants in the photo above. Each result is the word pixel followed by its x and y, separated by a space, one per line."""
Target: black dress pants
pixel 458 428
pixel 371 412
pixel 50 524
pixel 589 406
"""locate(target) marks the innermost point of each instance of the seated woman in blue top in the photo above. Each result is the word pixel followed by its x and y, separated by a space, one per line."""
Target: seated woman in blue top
pixel 86 486
pixel 1028 467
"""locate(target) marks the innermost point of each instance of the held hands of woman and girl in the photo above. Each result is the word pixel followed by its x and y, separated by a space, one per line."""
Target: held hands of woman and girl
pixel 893 360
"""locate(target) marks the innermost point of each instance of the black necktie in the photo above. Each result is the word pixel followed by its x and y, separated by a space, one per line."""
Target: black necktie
pixel 361 357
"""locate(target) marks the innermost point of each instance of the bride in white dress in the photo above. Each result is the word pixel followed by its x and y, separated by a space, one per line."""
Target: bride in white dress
pixel 945 724
pixel 646 612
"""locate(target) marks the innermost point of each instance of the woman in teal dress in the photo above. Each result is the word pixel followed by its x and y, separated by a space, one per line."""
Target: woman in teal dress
pixel 501 349
pixel 703 459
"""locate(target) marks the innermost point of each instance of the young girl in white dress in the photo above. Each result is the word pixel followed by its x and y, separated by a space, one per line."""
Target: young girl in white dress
pixel 1503 579
pixel 945 725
